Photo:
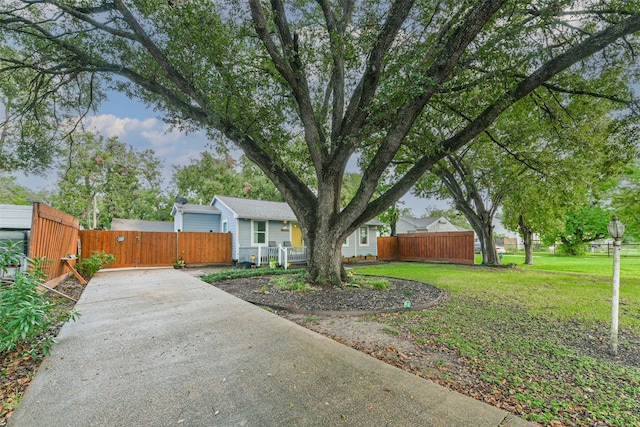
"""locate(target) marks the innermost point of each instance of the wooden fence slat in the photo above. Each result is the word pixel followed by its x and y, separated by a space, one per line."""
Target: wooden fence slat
pixel 54 235
pixel 158 249
pixel 451 247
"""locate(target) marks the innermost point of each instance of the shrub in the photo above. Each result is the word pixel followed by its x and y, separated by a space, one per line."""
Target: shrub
pixel 368 282
pixel 10 255
pixel 26 314
pixel 292 282
pixel 88 267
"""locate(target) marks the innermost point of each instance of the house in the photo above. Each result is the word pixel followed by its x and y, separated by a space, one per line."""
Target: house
pixel 15 224
pixel 190 217
pixel 263 229
pixel 425 225
pixel 120 224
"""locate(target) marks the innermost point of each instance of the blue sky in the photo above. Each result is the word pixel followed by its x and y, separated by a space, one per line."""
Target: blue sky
pixel 134 124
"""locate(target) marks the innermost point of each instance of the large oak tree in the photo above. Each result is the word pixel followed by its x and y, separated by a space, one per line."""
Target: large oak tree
pixel 349 77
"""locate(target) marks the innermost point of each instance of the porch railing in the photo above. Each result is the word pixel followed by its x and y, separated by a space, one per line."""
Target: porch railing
pixel 284 255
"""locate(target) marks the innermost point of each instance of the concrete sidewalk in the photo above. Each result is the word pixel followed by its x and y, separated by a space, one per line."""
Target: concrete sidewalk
pixel 162 348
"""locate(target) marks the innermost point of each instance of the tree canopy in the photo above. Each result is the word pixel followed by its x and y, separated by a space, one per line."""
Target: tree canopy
pixel 12 193
pixel 366 79
pixel 112 178
pixel 208 176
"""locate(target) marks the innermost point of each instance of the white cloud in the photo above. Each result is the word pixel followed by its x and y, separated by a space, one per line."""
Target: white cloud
pixel 110 125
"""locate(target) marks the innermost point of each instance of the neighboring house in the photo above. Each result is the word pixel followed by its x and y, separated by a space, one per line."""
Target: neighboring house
pixel 15 224
pixel 425 225
pixel 263 229
pixel 120 224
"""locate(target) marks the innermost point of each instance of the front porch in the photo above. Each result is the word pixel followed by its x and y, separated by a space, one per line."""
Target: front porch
pixel 283 255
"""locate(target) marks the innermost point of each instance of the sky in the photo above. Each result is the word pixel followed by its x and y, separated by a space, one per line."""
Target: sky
pixel 136 125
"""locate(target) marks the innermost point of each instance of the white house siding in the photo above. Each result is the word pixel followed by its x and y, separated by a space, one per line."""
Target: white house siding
pixel 200 222
pixel 15 217
pixel 403 227
pixel 177 221
pixel 228 216
pixel 354 248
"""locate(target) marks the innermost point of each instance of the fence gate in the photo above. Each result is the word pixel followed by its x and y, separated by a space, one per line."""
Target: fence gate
pixel 157 249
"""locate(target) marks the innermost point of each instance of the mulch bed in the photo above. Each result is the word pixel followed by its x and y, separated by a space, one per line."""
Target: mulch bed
pixel 339 301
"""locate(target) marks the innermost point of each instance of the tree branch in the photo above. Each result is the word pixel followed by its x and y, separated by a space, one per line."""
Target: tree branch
pixel 584 49
pixel 291 70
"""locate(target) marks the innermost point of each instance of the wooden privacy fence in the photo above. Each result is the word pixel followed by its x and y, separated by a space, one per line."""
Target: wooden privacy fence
pixel 451 247
pixel 54 236
pixel 157 249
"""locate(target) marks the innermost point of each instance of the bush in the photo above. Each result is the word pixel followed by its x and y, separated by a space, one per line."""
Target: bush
pixel 26 314
pixel 10 255
pixel 88 267
pixel 367 282
pixel 292 282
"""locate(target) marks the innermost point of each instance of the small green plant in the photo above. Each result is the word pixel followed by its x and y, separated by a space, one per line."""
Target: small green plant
pixel 10 255
pixel 367 282
pixel 238 273
pixel 292 282
pixel 11 402
pixel 88 267
pixel 180 263
pixel 263 290
pixel 26 314
pixel 391 331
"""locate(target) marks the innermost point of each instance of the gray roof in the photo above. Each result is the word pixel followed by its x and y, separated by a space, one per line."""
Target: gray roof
pixel 424 223
pixel 261 209
pixel 258 209
pixel 120 224
pixel 15 217
pixel 420 222
pixel 192 208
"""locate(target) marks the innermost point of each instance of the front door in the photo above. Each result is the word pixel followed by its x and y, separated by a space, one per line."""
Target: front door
pixel 296 234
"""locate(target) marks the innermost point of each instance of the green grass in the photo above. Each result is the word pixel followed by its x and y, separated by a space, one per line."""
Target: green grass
pixel 365 282
pixel 599 265
pixel 292 282
pixel 239 273
pixel 522 332
pixel 548 292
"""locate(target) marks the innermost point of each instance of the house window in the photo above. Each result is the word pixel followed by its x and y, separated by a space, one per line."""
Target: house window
pixel 364 236
pixel 225 226
pixel 259 232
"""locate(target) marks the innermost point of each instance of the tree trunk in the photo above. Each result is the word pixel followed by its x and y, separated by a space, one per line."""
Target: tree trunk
pixel 324 261
pixel 527 237
pixel 489 253
pixel 324 234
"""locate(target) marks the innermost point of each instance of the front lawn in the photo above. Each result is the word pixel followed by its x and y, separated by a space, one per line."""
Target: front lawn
pixel 534 340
